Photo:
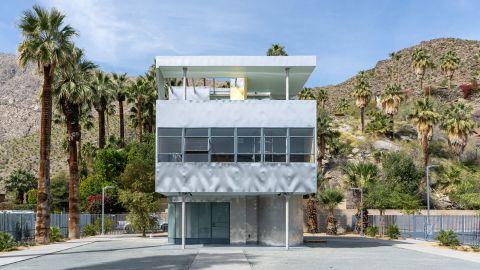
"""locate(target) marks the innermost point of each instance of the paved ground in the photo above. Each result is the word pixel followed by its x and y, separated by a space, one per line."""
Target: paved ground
pixel 155 253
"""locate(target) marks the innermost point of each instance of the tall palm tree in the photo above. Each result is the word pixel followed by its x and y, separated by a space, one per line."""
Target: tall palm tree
pixel 362 94
pixel 120 83
pixel 71 91
pixel 457 121
pixel 151 91
pixel 45 41
pixel 391 100
pixel 425 117
pixel 450 62
pixel 421 62
pixel 320 95
pixel 138 94
pixel 86 123
pixel 101 88
pixel 277 50
pixel 395 56
pixel 330 198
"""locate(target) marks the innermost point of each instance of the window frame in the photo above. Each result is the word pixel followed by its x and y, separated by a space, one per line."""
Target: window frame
pixel 260 153
pixel 311 154
pixel 210 137
pixel 181 153
pixel 273 153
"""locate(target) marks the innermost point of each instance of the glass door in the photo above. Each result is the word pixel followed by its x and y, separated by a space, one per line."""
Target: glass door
pixel 220 221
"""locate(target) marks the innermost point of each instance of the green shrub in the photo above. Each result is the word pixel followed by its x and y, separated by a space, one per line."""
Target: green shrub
pixel 89 230
pixel 108 225
pixel 55 235
pixel 448 238
pixel 393 232
pixel 371 231
pixel 32 196
pixel 6 241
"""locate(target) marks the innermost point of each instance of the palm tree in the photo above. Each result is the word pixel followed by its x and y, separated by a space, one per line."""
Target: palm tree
pixel 120 83
pixel 320 95
pixel 360 175
pixel 458 123
pixel 425 117
pixel 391 100
pixel 421 61
pixel 362 94
pixel 330 198
pixel 151 91
pixel 46 42
pixel 108 112
pixel 277 50
pixel 396 58
pixel 72 90
pixel 138 94
pixel 101 88
pixel 450 62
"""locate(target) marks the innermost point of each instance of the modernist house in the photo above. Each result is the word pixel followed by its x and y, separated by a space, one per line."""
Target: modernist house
pixel 234 161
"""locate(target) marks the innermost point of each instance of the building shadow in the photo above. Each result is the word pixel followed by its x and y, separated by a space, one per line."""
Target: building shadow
pixel 347 242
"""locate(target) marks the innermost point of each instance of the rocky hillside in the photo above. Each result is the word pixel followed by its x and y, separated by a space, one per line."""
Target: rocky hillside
pixel 384 71
pixel 19 106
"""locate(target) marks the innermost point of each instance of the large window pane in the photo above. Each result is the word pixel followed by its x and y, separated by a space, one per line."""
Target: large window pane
pixel 222 145
pixel 249 145
pixel 249 158
pixel 170 145
pixel 169 157
pixel 301 132
pixel 271 132
pixel 222 132
pixel 201 132
pixel 301 158
pixel 275 158
pixel 275 145
pixel 196 157
pixel 222 158
pixel 249 132
pixel 196 144
pixel 170 132
pixel 301 145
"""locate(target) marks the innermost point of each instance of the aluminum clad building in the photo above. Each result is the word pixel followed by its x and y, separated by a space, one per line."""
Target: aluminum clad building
pixel 234 161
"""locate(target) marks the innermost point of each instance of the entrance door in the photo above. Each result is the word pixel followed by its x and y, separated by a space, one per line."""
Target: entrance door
pixel 220 222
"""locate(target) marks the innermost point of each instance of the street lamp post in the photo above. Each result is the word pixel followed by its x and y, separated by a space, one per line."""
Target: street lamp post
pixel 103 206
pixel 427 172
pixel 361 209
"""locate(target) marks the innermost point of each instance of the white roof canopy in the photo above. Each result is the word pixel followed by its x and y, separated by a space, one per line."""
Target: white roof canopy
pixel 264 73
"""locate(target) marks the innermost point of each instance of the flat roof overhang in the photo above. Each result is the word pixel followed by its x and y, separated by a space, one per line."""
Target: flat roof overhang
pixel 264 73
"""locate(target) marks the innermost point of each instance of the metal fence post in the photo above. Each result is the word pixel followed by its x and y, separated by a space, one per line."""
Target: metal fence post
pixel 414 223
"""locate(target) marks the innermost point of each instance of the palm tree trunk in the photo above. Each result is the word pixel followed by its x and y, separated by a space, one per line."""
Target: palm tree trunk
pixel 382 222
pixel 392 129
pixel 312 225
pixel 139 120
pixel 71 114
pixel 424 143
pixel 331 223
pixel 321 152
pixel 107 125
pixel 101 128
pixel 122 122
pixel 362 118
pixel 150 117
pixel 42 222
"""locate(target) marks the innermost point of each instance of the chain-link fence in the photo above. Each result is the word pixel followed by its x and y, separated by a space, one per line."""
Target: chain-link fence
pixel 22 225
pixel 417 226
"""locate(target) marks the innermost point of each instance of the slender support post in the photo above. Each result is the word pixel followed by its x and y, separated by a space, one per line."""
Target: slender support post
pixel 361 212
pixel 287 83
pixel 183 222
pixel 287 198
pixel 184 83
pixel 103 207
pixel 428 226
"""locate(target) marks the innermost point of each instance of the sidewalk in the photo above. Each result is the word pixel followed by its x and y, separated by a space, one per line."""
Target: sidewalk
pixel 37 251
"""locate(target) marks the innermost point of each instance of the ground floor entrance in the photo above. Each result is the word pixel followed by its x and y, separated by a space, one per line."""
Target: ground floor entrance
pixel 205 223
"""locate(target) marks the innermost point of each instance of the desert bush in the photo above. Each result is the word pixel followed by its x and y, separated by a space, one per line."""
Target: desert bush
pixel 32 196
pixel 89 230
pixel 393 232
pixel 448 238
pixel 55 235
pixel 6 241
pixel 108 225
pixel 371 231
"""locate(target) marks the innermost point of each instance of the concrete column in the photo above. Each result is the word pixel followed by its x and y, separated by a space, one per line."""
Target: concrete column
pixel 183 222
pixel 184 83
pixel 287 83
pixel 287 198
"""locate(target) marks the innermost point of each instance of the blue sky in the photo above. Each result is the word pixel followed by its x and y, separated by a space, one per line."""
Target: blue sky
pixel 345 35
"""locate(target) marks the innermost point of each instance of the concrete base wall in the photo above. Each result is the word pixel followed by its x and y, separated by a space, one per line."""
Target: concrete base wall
pixel 271 220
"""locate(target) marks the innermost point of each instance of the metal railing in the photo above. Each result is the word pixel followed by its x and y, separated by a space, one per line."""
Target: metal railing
pixel 415 226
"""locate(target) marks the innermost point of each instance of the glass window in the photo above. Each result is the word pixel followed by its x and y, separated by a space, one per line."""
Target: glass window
pixel 196 145
pixel 301 145
pixel 275 144
pixel 203 132
pixel 169 145
pixel 222 145
pixel 249 145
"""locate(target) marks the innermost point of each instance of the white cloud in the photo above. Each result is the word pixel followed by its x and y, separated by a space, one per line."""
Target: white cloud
pixel 121 33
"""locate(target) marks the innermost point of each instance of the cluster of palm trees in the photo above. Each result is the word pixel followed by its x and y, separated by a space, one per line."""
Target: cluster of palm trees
pixel 456 120
pixel 73 85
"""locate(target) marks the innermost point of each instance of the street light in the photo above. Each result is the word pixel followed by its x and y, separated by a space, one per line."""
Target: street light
pixel 361 209
pixel 103 206
pixel 427 172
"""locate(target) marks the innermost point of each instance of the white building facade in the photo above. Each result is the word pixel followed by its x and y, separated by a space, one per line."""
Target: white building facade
pixel 235 161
